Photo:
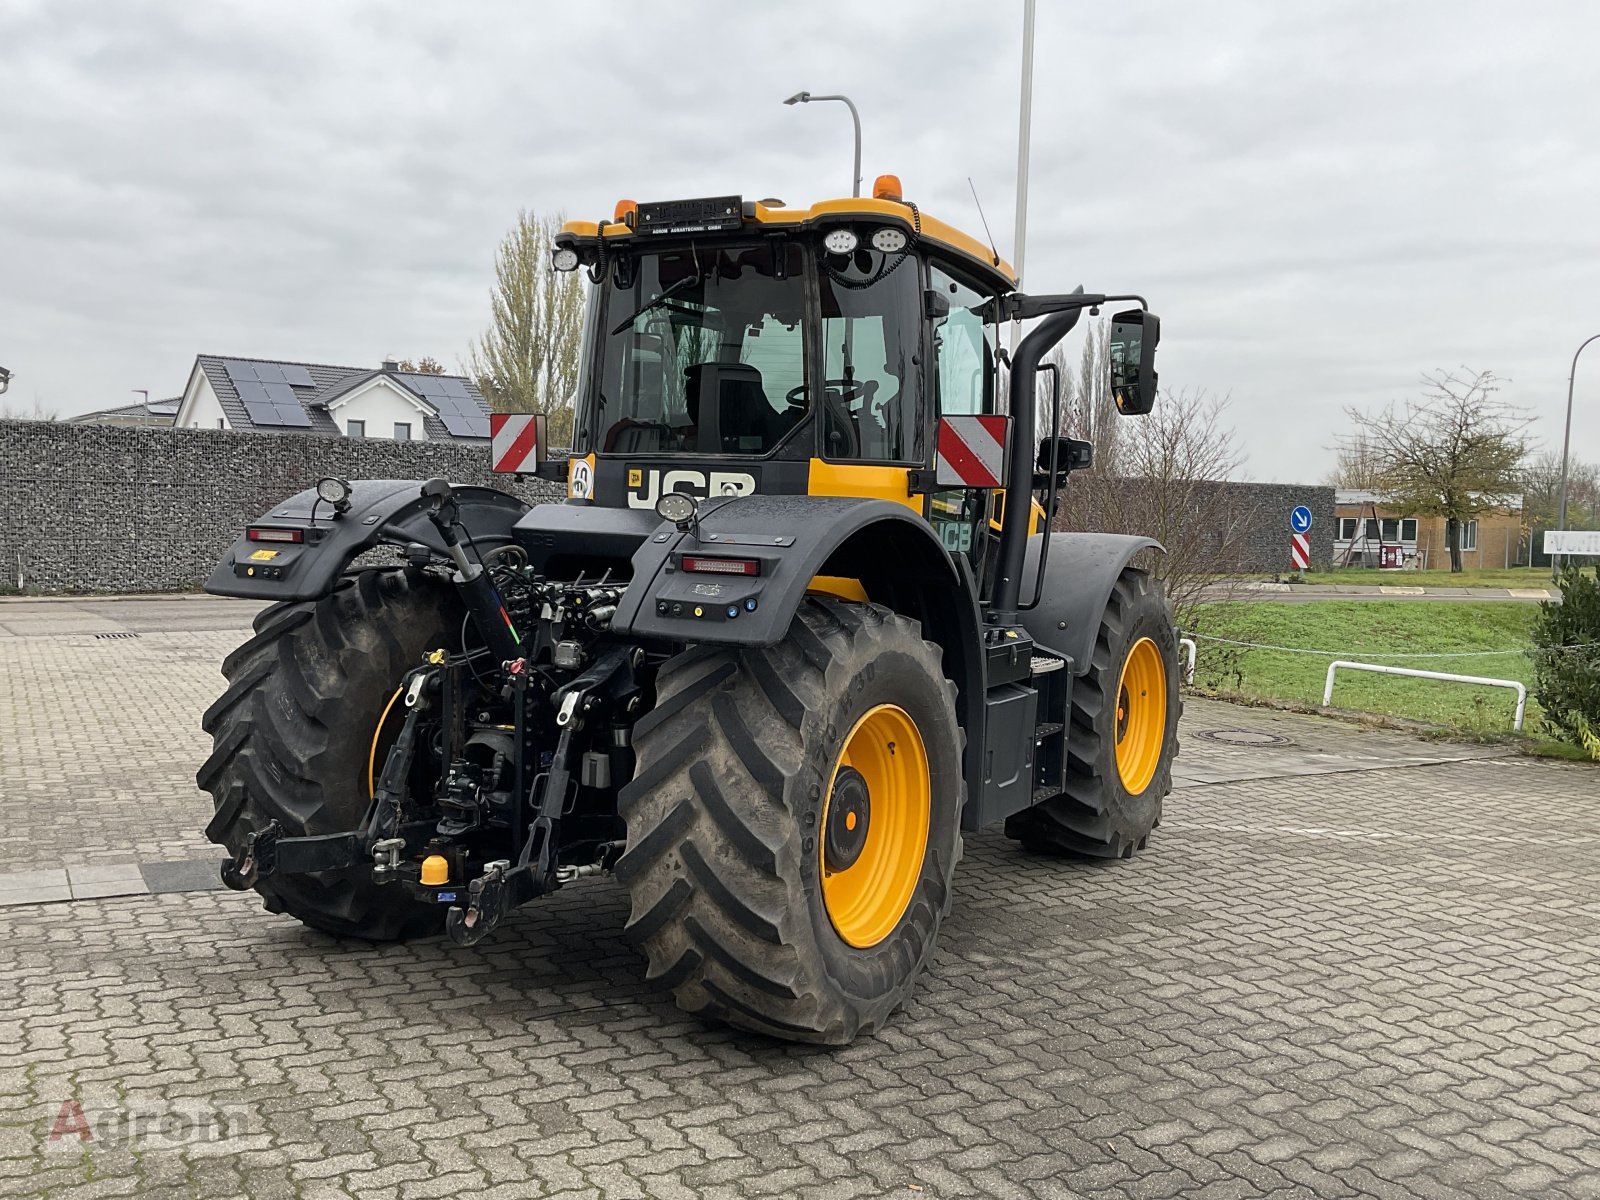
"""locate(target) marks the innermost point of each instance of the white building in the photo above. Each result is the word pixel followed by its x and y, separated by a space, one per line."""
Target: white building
pixel 266 395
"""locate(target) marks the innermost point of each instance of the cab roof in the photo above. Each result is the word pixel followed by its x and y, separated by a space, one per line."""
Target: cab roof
pixel 864 210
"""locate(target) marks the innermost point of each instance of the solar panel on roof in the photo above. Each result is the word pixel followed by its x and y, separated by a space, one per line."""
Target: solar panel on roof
pixel 264 412
pixel 297 376
pixel 461 425
pixel 428 385
pixel 268 372
pixel 239 372
pixel 280 393
pixel 252 392
pixel 456 387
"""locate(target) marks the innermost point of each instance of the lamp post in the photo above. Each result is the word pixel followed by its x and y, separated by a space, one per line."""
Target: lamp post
pixel 1024 139
pixel 1566 442
pixel 807 98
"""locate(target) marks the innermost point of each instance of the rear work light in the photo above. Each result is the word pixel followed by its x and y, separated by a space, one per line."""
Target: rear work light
pixel 721 566
pixel 256 533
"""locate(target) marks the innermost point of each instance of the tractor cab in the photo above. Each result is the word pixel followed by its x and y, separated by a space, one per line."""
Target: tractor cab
pixel 738 347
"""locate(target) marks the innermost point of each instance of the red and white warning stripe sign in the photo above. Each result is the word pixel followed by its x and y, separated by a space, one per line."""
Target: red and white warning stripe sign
pixel 516 441
pixel 1300 550
pixel 972 452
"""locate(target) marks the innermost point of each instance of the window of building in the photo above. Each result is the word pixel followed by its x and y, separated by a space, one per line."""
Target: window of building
pixel 1469 535
pixel 1408 529
pixel 221 423
pixel 355 428
pixel 1391 529
pixel 402 431
pixel 1372 528
pixel 1347 528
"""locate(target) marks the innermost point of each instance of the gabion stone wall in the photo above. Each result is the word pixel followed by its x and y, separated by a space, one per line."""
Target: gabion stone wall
pixel 99 508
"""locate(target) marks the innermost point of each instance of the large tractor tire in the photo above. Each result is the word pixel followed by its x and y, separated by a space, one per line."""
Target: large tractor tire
pixel 794 821
pixel 297 737
pixel 1122 735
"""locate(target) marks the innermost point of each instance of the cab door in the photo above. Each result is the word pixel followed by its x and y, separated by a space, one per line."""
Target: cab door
pixel 964 385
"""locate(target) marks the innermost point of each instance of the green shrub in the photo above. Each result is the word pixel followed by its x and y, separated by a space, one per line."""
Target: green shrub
pixel 1566 659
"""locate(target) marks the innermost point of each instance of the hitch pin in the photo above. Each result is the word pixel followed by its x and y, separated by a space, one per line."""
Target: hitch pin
pixel 414 692
pixel 564 717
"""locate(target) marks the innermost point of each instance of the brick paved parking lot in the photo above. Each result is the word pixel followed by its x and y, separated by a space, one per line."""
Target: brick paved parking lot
pixel 1351 963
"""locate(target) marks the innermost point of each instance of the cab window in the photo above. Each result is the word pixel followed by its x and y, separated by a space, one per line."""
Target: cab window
pixel 704 352
pixel 965 346
pixel 963 386
pixel 871 393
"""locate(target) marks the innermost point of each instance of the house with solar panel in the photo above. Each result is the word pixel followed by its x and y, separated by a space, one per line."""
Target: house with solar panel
pixel 267 396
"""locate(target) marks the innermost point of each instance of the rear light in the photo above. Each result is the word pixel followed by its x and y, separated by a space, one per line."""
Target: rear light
pixel 721 566
pixel 257 533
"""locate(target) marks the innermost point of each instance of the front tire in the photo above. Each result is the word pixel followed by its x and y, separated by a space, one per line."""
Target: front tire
pixel 793 824
pixel 295 737
pixel 1122 735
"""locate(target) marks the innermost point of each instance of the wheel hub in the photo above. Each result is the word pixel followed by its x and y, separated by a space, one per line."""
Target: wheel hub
pixel 849 813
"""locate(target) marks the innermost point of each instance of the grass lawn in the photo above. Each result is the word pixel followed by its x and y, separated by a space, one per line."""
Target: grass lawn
pixel 1375 631
pixel 1485 577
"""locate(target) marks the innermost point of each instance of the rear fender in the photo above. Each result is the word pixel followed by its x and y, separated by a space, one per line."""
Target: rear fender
pixel 792 539
pixel 389 512
pixel 889 549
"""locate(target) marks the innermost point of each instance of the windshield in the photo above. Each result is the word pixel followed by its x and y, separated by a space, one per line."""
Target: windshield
pixel 704 352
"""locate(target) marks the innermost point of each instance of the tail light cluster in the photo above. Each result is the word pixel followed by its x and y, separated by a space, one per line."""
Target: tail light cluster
pixel 721 566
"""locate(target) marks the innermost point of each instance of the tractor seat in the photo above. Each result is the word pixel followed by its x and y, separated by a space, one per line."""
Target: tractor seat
pixel 739 418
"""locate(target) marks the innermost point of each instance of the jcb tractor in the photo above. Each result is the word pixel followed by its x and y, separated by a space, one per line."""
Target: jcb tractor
pixel 798 624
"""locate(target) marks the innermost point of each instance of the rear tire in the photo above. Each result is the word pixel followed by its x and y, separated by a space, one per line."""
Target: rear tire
pixel 739 773
pixel 294 732
pixel 1100 815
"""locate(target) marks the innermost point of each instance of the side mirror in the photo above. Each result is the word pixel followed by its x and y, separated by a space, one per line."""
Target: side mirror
pixel 1071 454
pixel 1134 335
pixel 935 306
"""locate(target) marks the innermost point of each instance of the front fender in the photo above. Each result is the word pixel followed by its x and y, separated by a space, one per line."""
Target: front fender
pixel 1080 572
pixel 382 512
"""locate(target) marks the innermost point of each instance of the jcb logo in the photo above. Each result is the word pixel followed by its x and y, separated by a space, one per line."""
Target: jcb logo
pixel 645 487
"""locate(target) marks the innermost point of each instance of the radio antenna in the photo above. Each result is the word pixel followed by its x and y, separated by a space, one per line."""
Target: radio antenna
pixel 985 221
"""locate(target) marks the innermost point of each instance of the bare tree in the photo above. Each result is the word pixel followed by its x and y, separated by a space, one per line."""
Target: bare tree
pixel 1357 466
pixel 15 410
pixel 527 360
pixel 1454 452
pixel 1541 490
pixel 1165 477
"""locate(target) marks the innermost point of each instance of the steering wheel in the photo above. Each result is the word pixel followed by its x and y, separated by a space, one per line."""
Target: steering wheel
pixel 842 391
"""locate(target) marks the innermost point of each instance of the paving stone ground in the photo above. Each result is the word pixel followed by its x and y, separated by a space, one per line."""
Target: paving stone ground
pixel 1350 964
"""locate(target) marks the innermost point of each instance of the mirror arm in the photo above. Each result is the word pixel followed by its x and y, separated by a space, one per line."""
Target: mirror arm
pixel 1020 307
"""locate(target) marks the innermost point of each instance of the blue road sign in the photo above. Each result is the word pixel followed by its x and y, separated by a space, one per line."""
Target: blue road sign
pixel 1300 519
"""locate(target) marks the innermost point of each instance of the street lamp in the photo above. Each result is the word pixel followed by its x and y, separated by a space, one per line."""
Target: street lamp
pixel 807 98
pixel 1566 442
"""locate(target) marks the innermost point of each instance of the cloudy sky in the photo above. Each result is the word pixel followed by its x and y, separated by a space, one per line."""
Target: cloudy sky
pixel 1322 200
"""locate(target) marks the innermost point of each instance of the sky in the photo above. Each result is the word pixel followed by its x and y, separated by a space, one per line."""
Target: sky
pixel 1321 200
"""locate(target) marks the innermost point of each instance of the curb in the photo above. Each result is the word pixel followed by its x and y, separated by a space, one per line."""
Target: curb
pixel 102 881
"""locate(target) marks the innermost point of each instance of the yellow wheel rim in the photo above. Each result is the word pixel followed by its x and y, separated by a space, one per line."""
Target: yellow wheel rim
pixel 1141 716
pixel 377 737
pixel 875 826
